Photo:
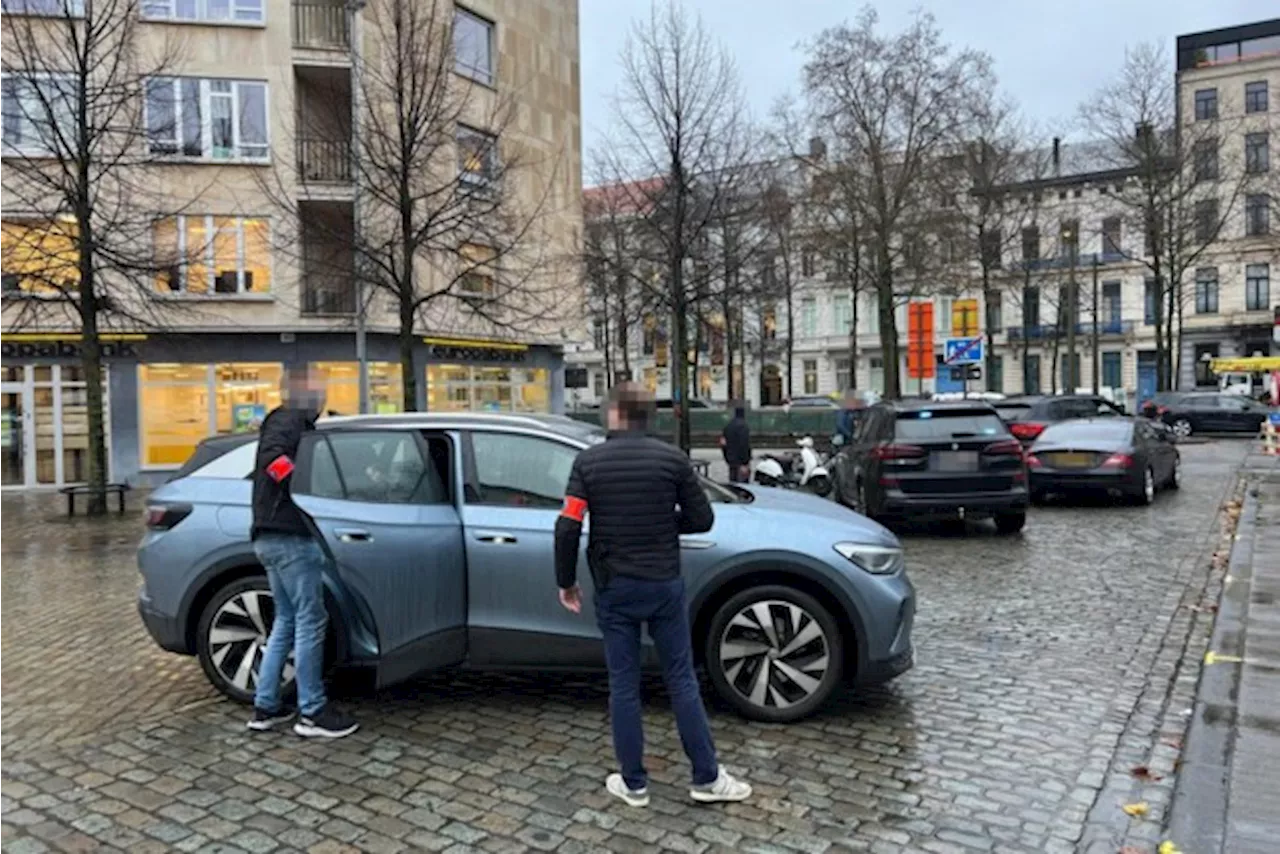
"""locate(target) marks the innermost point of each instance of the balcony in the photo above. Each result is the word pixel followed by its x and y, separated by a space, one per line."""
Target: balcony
pixel 319 25
pixel 1082 261
pixel 1049 331
pixel 328 296
pixel 324 161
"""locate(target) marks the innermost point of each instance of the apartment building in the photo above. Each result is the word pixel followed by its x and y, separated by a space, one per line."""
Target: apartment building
pixel 249 137
pixel 1229 86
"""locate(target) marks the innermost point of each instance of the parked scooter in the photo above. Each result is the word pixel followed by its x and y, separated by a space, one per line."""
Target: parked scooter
pixel 803 470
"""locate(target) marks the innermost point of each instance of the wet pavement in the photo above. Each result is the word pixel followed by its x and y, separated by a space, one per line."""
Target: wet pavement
pixel 1049 666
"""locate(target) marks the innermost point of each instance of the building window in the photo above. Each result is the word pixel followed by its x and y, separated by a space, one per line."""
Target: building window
pixel 1257 287
pixel 485 388
pixel 342 387
pixel 204 11
pixel 1030 307
pixel 212 255
pixel 597 384
pixel 1112 242
pixel 1031 243
pixel 1031 374
pixel 1111 307
pixel 477 157
pixel 769 324
pixel 1205 159
pixel 1257 152
pixel 1257 214
pixel 182 404
pixel 995 382
pixel 39 113
pixel 810 376
pixel 1149 300
pixel 473 46
pixel 1069 239
pixel 1263 46
pixel 599 332
pixel 39 257
pixel 808 317
pixel 1112 373
pixel 1255 97
pixel 475 279
pixel 995 312
pixel 843 314
pixel 807 262
pixel 211 118
pixel 1207 290
pixel 992 243
pixel 1206 104
pixel 61 8
pixel 1206 220
pixel 844 377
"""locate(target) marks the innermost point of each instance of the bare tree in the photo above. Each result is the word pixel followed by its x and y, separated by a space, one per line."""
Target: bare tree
pixel 79 194
pixel 454 221
pixel 679 116
pixel 1186 183
pixel 896 104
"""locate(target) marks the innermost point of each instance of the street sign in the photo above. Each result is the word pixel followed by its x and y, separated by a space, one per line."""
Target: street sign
pixel 962 351
pixel 961 373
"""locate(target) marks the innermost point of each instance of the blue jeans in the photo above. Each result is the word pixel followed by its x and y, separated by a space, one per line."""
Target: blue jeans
pixel 621 609
pixel 294 564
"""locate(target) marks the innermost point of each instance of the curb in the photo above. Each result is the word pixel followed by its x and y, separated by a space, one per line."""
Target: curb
pixel 1198 814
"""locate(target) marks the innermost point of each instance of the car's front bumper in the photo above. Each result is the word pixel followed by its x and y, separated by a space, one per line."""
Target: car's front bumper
pixel 163 628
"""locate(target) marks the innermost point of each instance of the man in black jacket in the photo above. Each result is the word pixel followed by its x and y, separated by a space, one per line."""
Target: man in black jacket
pixel 284 543
pixel 735 441
pixel 642 494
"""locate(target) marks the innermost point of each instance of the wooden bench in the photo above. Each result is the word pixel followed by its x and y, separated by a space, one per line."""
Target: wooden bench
pixel 72 491
pixel 702 467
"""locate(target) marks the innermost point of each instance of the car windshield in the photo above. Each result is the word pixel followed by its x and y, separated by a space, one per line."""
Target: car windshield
pixel 1012 411
pixel 1109 432
pixel 928 424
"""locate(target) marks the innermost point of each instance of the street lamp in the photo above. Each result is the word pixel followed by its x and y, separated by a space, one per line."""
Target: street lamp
pixel 353 9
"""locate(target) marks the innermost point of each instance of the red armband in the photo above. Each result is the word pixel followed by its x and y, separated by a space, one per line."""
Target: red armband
pixel 279 468
pixel 574 508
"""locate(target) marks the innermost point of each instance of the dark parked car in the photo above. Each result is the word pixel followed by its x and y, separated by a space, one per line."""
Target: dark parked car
pixel 1028 416
pixel 922 459
pixel 1122 457
pixel 1214 412
pixel 439 532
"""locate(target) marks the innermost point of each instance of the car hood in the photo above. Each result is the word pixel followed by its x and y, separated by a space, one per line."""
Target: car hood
pixel 793 507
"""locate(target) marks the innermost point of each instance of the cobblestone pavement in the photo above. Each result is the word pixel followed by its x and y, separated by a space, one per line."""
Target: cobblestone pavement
pixel 1048 666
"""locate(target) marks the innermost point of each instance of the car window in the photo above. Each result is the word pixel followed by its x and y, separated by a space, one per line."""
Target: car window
pixel 235 464
pixel 1106 409
pixel 380 467
pixel 942 424
pixel 1087 431
pixel 1013 413
pixel 521 471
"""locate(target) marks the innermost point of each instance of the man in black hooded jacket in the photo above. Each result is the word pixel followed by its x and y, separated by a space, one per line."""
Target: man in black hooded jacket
pixel 735 442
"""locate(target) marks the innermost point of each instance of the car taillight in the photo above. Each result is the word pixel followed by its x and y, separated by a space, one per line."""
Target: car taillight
pixel 1118 461
pixel 1026 429
pixel 1004 448
pixel 897 452
pixel 162 517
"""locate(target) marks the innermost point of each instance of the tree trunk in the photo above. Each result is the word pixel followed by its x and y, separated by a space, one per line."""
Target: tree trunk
pixel 989 355
pixel 888 328
pixel 1072 381
pixel 91 366
pixel 853 335
pixel 1094 346
pixel 791 327
pixel 405 338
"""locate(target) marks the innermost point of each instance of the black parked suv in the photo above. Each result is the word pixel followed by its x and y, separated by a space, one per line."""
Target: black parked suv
pixel 917 459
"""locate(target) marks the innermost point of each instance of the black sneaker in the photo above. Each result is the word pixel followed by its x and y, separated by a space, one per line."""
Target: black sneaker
pixel 326 723
pixel 263 720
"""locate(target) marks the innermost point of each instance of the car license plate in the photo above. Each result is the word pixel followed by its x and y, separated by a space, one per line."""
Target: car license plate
pixel 957 461
pixel 1073 460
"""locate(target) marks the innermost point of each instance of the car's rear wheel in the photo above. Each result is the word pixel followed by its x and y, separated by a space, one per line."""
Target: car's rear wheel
pixel 232 636
pixel 774 653
pixel 1146 491
pixel 1182 428
pixel 1175 476
pixel 1011 523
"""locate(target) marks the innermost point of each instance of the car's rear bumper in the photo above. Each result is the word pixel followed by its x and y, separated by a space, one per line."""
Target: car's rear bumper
pixel 900 503
pixel 163 628
pixel 1085 481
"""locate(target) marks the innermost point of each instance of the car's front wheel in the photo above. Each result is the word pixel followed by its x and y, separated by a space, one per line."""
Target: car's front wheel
pixel 1182 428
pixel 774 653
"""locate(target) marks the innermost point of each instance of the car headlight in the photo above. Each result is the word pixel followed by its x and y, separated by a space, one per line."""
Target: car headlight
pixel 878 560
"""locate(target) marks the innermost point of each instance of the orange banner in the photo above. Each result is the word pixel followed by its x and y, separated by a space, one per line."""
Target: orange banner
pixel 920 340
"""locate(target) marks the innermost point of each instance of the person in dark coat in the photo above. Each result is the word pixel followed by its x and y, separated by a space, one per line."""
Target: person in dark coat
pixel 735 441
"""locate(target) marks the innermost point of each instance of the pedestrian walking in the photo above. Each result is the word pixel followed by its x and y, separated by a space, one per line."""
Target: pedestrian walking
pixel 851 410
pixel 642 494
pixel 735 442
pixel 283 541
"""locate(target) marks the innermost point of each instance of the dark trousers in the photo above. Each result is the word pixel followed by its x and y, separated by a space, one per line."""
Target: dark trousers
pixel 739 473
pixel 621 609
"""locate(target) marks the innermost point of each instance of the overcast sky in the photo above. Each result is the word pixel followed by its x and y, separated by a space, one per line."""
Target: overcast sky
pixel 1049 55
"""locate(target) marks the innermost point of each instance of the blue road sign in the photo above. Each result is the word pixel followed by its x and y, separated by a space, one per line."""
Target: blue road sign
pixel 962 351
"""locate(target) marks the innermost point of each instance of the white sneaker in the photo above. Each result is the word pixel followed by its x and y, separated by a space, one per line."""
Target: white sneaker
pixel 615 786
pixel 724 789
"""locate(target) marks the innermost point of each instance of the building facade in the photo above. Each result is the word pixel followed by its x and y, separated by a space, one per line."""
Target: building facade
pixel 250 137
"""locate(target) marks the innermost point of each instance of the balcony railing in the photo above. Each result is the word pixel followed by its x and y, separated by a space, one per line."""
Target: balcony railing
pixel 324 161
pixel 1064 262
pixel 1049 331
pixel 327 295
pixel 320 26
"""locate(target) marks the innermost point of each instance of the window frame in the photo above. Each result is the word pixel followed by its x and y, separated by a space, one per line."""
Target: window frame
pixel 1257 97
pixel 51 292
pixel 1257 214
pixel 1256 299
pixel 202 16
pixel 491 163
pixel 490 78
pixel 210 259
pixel 1205 159
pixel 76 9
pixel 1209 101
pixel 809 371
pixel 28 125
pixel 1206 220
pixel 206 99
pixel 1207 290
pixel 1257 153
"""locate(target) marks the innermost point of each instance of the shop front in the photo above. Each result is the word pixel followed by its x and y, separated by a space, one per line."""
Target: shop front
pixel 488 376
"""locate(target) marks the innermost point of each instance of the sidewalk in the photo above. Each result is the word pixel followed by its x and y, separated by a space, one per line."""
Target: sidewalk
pixel 1228 794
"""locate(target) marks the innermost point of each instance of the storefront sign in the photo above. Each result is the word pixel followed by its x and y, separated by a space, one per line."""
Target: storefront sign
pixel 463 350
pixel 63 350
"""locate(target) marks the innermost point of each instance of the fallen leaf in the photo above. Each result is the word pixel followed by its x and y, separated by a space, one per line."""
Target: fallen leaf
pixel 1175 743
pixel 1142 772
pixel 1168 847
pixel 1136 810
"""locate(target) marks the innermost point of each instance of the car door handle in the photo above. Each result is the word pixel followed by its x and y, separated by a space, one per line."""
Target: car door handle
pixel 353 535
pixel 500 538
pixel 686 543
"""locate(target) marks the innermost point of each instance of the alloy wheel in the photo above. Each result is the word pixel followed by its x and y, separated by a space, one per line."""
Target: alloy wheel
pixel 774 654
pixel 1182 428
pixel 238 638
pixel 1149 485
